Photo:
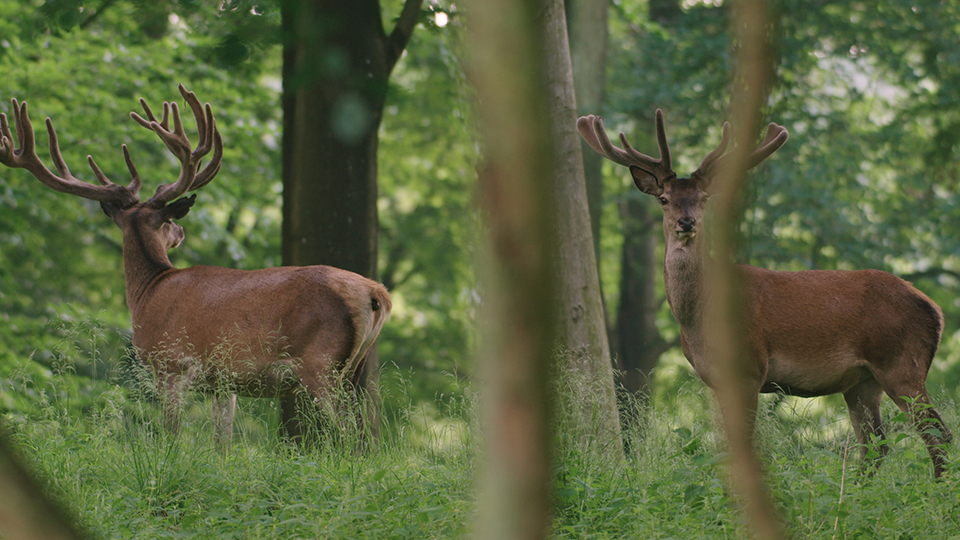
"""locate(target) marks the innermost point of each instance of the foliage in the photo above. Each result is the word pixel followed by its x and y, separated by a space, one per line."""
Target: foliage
pixel 60 256
pixel 428 222
pixel 124 477
pixel 868 178
pixel 673 485
pixel 127 478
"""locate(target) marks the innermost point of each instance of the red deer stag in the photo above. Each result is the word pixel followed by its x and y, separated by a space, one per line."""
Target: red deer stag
pixel 277 332
pixel 812 333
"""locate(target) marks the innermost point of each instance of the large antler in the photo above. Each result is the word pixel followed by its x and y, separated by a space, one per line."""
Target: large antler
pixel 591 128
pixel 718 158
pixel 26 158
pixel 177 142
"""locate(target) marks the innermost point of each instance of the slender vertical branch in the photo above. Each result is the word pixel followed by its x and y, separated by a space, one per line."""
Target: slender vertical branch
pixel 726 333
pixel 401 33
pixel 506 66
pixel 843 477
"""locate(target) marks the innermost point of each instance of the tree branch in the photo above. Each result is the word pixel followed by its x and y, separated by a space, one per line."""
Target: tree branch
pixel 400 36
pixel 931 272
pixel 663 346
pixel 86 22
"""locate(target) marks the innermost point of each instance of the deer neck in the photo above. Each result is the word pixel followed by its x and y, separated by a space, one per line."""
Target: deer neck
pixel 683 280
pixel 145 260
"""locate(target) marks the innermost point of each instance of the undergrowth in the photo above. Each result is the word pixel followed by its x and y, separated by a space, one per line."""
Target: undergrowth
pixel 123 476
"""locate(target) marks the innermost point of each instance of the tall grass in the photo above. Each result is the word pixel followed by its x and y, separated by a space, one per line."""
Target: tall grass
pixel 125 477
pixel 672 484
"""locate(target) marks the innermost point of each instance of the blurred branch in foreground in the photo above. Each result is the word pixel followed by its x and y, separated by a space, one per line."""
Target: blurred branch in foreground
pixel 506 67
pixel 724 320
pixel 26 512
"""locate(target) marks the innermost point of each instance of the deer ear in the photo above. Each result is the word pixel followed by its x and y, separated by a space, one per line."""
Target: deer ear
pixel 646 182
pixel 178 208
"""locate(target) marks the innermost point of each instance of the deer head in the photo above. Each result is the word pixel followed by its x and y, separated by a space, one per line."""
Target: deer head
pixel 683 199
pixel 150 221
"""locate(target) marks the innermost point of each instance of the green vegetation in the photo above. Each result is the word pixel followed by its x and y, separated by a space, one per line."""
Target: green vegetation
pixel 124 477
pixel 869 179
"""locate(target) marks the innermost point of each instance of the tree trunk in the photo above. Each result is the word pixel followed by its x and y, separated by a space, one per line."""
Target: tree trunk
pixel 587 27
pixel 27 512
pixel 639 341
pixel 518 309
pixel 582 327
pixel 336 63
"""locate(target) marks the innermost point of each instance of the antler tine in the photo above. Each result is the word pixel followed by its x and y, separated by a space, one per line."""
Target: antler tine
pixel 640 158
pixel 776 137
pixel 177 142
pixel 6 140
pixel 591 128
pixel 26 158
pixel 592 131
pixel 208 134
pixel 662 142
pixel 711 159
pixel 134 184
pixel 206 175
pixel 204 117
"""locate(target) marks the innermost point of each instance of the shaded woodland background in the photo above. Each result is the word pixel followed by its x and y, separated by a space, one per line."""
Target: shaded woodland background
pixel 869 178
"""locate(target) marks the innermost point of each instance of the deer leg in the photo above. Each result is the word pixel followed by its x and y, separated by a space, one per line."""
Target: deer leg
pixel 932 430
pixel 296 406
pixel 912 398
pixel 172 395
pixel 863 403
pixel 301 408
pixel 224 409
pixel 365 404
pixel 291 428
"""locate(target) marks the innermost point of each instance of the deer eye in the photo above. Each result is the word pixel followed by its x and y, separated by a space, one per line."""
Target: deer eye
pixel 663 200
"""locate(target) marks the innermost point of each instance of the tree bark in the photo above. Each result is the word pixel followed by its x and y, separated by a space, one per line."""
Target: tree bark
pixel 337 59
pixel 582 325
pixel 587 27
pixel 519 327
pixel 639 342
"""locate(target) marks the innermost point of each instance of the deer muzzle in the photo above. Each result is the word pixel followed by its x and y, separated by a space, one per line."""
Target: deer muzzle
pixel 686 228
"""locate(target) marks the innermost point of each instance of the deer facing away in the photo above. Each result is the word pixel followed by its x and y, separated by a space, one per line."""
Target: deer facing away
pixel 811 333
pixel 279 332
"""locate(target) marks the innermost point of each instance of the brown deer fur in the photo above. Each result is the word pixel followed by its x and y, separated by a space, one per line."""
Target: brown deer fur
pixel 277 332
pixel 810 333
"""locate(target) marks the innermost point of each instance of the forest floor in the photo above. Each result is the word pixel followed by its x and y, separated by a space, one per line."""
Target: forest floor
pixel 122 476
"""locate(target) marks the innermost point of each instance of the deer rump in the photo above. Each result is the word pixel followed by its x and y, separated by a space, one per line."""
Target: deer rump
pixel 261 333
